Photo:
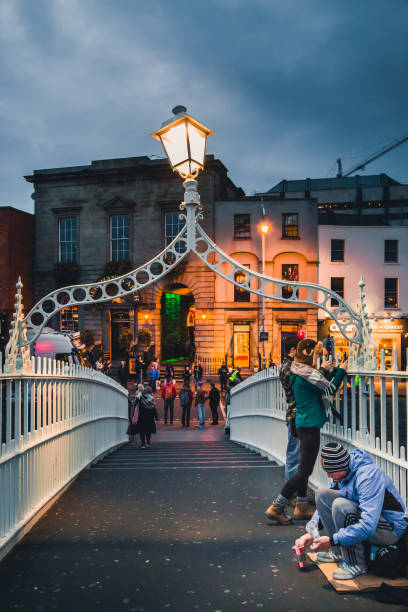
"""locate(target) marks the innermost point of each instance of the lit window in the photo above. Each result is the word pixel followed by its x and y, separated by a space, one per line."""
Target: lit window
pixel 242 227
pixel 290 272
pixel 120 237
pixel 391 293
pixel 241 294
pixel 390 251
pixel 290 225
pixel 337 285
pixel 69 319
pixel 67 239
pixel 337 250
pixel 173 226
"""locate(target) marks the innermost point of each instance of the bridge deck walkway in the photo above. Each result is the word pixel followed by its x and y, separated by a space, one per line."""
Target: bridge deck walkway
pixel 178 526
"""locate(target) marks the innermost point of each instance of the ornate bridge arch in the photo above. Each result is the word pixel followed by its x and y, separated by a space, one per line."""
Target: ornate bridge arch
pixel 353 325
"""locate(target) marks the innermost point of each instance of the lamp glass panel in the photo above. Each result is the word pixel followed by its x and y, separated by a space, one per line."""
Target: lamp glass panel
pixel 197 143
pixel 188 168
pixel 175 143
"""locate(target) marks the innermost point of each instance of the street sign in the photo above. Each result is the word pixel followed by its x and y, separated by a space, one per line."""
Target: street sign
pixel 263 335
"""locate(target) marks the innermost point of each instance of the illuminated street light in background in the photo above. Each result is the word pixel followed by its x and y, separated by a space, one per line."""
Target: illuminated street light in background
pixel 264 227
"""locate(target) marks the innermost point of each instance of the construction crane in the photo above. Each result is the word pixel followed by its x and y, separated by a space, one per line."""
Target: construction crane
pixel 362 165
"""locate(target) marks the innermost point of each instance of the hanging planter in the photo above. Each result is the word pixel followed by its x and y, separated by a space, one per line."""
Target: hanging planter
pixel 66 273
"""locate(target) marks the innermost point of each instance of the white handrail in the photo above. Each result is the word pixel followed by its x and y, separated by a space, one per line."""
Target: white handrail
pixel 374 409
pixel 53 423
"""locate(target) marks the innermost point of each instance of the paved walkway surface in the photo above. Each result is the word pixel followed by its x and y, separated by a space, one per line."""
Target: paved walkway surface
pixel 177 526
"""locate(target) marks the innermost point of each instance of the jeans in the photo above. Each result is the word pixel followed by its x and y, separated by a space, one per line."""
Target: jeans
pixel 196 381
pixel 201 413
pixel 338 512
pixel 292 455
pixel 168 403
pixel 185 418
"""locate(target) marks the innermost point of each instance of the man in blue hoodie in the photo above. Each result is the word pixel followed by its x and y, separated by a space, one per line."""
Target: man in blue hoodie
pixel 362 505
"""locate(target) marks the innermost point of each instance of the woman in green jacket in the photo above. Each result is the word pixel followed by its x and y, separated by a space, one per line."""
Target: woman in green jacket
pixel 312 391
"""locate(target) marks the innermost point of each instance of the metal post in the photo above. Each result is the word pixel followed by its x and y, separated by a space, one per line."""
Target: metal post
pixel 263 302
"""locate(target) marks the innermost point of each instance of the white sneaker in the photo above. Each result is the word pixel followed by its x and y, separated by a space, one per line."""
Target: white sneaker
pixel 348 572
pixel 328 556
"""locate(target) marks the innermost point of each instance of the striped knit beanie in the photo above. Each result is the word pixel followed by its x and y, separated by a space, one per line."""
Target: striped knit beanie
pixel 335 457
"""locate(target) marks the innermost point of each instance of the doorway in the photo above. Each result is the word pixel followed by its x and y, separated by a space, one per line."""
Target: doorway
pixel 241 345
pixel 177 323
pixel 120 321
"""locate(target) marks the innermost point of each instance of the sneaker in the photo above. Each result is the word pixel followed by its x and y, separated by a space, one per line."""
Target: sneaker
pixel 328 556
pixel 277 513
pixel 199 426
pixel 348 572
pixel 303 511
pixel 143 446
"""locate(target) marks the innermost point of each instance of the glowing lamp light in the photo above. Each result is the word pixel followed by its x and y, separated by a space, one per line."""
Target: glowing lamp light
pixel 203 316
pixel 184 140
pixel 146 316
pixel 264 228
pixel 301 333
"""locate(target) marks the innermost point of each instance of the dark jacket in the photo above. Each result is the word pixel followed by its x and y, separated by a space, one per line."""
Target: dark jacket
pixel 198 372
pixel 147 414
pixel 214 397
pixel 190 395
pixel 284 375
pixel 223 373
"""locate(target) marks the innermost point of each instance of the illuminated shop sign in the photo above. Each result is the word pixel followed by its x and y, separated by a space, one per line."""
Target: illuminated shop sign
pixel 376 327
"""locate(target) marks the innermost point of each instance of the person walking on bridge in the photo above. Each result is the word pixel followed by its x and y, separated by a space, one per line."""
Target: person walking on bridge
pixel 186 399
pixel 168 394
pixel 201 398
pixel 146 422
pixel 214 397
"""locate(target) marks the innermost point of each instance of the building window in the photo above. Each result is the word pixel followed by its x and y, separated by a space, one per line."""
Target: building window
pixel 242 227
pixel 390 251
pixel 290 225
pixel 337 250
pixel 337 285
pixel 67 239
pixel 290 272
pixel 120 237
pixel 173 226
pixel 69 319
pixel 391 293
pixel 241 294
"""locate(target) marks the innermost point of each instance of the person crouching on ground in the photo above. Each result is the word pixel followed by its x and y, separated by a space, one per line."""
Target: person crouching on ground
pixel 146 425
pixel 312 393
pixel 362 505
pixel 201 398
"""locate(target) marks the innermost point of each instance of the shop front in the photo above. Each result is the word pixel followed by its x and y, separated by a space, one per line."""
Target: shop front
pixel 387 335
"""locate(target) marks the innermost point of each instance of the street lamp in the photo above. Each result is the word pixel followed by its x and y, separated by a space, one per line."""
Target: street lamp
pixel 264 227
pixel 184 140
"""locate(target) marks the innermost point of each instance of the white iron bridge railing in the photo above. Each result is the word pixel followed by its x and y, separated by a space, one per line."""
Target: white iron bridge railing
pixel 54 421
pixel 373 405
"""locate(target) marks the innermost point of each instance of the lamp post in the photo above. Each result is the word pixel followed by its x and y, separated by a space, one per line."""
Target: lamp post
pixel 264 227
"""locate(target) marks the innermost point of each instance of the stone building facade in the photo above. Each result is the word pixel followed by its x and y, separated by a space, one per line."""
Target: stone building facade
pixel 123 211
pixel 291 252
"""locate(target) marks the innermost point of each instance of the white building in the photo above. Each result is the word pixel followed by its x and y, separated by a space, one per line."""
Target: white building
pixel 380 256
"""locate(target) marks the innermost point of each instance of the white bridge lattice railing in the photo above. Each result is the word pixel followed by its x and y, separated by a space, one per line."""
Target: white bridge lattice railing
pixel 374 417
pixel 53 423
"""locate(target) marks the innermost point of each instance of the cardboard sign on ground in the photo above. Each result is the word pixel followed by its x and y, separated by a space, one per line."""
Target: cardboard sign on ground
pixel 366 582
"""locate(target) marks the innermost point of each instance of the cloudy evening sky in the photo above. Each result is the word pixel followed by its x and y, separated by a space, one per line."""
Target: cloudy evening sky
pixel 287 85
